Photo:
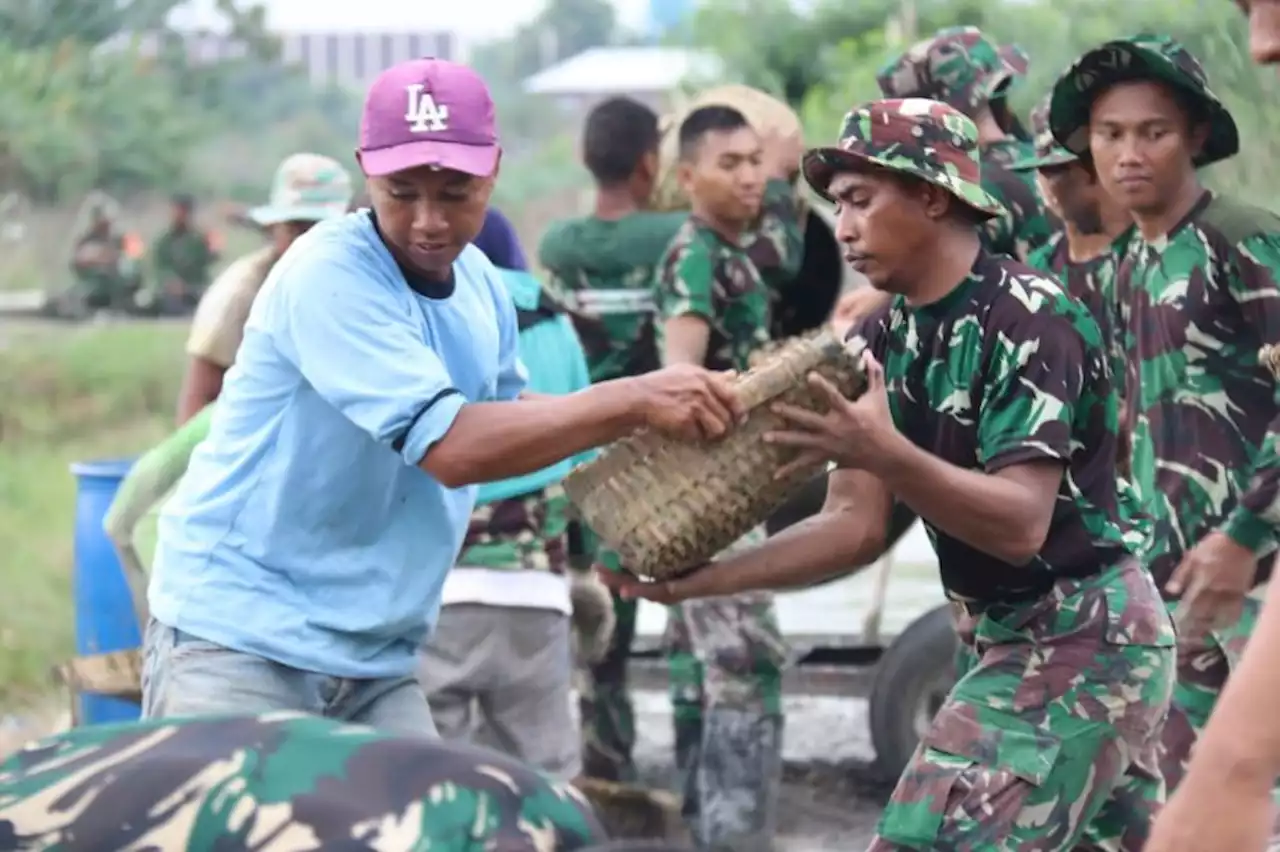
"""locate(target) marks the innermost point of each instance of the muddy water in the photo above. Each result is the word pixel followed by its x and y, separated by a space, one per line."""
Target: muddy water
pixel 840 608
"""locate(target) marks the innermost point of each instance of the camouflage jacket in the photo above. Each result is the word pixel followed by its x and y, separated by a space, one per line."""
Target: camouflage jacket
pixel 703 274
pixel 185 255
pixel 1026 225
pixel 1194 308
pixel 1007 369
pixel 279 783
pixel 521 533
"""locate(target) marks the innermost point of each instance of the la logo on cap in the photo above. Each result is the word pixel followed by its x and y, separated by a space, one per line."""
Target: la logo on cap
pixel 422 113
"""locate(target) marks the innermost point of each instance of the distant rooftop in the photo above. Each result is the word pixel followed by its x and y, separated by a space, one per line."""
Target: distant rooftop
pixel 609 70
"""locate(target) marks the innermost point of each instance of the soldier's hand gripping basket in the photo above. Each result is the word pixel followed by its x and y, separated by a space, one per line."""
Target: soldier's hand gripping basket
pixel 667 506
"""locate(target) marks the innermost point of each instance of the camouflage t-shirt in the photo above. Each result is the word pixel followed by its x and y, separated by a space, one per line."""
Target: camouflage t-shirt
pixel 703 274
pixel 1026 224
pixel 1195 306
pixel 1005 370
pixel 279 783
pixel 1081 279
pixel 521 533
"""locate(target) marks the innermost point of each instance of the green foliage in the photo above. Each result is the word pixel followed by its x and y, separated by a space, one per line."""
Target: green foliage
pixel 824 62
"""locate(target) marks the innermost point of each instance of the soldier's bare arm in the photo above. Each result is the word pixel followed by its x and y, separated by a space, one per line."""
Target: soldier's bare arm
pixel 684 284
pixel 849 533
pixel 685 339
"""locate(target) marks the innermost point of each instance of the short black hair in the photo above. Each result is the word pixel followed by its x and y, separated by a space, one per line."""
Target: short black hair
pixel 619 132
pixel 183 200
pixel 704 120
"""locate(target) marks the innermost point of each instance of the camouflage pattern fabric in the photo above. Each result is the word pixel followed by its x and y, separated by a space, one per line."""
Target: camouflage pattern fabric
pixel 776 243
pixel 959 66
pixel 279 782
pixel 1083 280
pixel 608 718
pixel 1025 225
pixel 1046 152
pixel 926 139
pixel 1194 308
pixel 1044 393
pixel 1145 56
pixel 727 655
pixel 1027 753
pixel 183 257
pixel 704 275
pixel 525 533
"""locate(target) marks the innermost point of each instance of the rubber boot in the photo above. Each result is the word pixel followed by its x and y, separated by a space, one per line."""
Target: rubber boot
pixel 739 779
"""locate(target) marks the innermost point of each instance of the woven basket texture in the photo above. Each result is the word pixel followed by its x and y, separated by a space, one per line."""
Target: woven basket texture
pixel 667 506
pixel 1269 357
pixel 765 113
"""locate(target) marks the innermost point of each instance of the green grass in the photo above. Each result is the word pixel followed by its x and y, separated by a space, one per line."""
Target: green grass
pixel 70 395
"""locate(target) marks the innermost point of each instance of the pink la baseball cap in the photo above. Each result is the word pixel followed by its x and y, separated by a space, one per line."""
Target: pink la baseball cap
pixel 428 112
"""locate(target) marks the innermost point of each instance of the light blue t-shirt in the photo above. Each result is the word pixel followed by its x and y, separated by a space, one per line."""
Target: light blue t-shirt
pixel 303 531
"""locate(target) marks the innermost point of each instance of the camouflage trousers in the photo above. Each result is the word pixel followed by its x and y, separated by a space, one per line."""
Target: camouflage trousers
pixel 1051 740
pixel 727 655
pixel 1203 669
pixel 608 718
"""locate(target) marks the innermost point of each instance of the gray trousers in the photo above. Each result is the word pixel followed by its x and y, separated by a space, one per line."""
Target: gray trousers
pixel 501 677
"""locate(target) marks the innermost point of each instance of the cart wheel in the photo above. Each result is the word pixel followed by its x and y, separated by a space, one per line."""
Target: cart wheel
pixel 911 681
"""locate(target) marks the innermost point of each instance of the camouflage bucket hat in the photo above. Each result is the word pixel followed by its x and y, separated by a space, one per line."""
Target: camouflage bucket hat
pixel 958 66
pixel 1048 152
pixel 307 188
pixel 1141 57
pixel 913 136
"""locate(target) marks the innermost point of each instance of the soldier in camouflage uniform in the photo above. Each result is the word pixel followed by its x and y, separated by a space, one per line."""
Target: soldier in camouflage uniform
pixel 182 259
pixel 994 418
pixel 714 307
pixel 1197 293
pixel 498 665
pixel 961 67
pixel 1095 227
pixel 602 266
pixel 105 276
pixel 279 783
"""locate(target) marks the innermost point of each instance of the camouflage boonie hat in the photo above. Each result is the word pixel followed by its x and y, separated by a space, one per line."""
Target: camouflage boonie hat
pixel 1048 152
pixel 959 66
pixel 307 188
pixel 926 139
pixel 1145 56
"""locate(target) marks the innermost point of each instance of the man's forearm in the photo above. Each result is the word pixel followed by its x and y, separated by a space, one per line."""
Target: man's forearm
pixel 818 548
pixel 490 441
pixel 1242 740
pixel 984 511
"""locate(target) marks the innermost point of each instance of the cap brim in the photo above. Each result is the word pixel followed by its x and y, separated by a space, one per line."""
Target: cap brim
pixel 1070 103
pixel 820 165
pixel 1060 157
pixel 478 160
pixel 272 215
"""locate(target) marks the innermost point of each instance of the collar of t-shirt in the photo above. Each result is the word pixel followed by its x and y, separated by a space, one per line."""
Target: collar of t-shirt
pixel 416 281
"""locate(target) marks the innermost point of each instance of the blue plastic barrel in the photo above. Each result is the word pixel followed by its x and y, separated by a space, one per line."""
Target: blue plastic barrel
pixel 105 618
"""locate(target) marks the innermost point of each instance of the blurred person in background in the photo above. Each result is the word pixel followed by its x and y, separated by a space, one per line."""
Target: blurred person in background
pixel 307 189
pixel 181 260
pixel 498 667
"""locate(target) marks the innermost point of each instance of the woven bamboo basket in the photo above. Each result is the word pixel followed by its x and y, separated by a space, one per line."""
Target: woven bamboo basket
pixel 1269 357
pixel 667 506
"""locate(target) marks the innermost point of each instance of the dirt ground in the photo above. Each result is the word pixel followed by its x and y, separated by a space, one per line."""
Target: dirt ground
pixel 832 795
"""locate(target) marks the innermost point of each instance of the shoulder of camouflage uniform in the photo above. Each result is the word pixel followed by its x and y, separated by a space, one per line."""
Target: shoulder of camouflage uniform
pixel 556 239
pixel 1045 299
pixel 1041 258
pixel 1237 221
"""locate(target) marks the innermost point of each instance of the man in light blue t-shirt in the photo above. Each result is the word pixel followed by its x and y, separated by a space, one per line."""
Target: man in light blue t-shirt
pixel 301 560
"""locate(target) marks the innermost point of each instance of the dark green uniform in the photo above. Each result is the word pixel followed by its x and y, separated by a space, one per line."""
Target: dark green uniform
pixel 182 258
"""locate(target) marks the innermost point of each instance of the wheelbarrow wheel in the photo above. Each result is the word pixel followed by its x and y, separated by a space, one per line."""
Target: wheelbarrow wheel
pixel 911 681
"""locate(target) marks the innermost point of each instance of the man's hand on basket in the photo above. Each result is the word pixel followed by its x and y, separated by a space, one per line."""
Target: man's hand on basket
pixel 701 583
pixel 689 402
pixel 853 434
pixel 1213 579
